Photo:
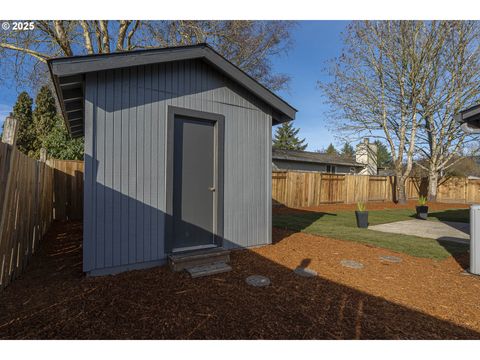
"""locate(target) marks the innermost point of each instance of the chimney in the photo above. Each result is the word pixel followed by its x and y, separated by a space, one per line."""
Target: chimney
pixel 366 154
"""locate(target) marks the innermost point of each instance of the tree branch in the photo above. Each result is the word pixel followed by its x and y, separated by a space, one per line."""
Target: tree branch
pixel 105 36
pixel 131 33
pixel 35 54
pixel 122 31
pixel 86 36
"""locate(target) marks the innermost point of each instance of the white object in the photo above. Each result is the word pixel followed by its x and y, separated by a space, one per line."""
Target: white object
pixel 366 154
pixel 475 239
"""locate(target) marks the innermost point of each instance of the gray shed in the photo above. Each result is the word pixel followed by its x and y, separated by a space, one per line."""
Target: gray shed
pixel 177 153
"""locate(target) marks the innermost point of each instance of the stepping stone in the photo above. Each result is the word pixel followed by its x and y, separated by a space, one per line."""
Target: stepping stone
pixel 208 269
pixel 305 272
pixel 352 264
pixel 258 280
pixel 392 259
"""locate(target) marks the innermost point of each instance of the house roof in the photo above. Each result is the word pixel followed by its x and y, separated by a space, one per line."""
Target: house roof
pixel 470 119
pixel 313 157
pixel 68 77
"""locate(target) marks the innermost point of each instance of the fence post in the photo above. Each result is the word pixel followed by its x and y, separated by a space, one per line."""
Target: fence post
pixel 9 137
pixel 43 155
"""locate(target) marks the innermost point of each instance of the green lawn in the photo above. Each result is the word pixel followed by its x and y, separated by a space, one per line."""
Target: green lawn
pixel 342 225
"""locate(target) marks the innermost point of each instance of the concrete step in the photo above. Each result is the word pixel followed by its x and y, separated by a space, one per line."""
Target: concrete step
pixel 208 269
pixel 189 259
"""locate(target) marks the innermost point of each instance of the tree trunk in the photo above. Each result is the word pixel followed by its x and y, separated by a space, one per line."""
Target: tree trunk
pixel 432 185
pixel 401 189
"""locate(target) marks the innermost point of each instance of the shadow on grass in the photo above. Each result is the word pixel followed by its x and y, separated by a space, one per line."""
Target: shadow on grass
pixel 295 220
pixel 460 252
pixel 454 215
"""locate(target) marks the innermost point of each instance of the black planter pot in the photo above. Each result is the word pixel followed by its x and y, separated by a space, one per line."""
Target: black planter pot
pixel 422 212
pixel 362 219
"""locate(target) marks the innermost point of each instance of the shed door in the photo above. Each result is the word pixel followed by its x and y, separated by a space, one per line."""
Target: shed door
pixel 193 183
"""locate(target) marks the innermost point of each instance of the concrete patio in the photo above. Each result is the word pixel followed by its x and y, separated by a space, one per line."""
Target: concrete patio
pixel 446 231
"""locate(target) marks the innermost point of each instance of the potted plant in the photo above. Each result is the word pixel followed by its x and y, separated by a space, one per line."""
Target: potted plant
pixel 422 208
pixel 362 215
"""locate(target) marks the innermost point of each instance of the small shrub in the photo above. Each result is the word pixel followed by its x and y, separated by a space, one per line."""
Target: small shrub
pixel 422 201
pixel 361 206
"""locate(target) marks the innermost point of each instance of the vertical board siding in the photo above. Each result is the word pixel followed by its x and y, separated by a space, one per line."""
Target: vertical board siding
pixel 132 165
pixel 109 154
pixel 117 167
pixel 140 152
pixel 124 180
pixel 99 160
pixel 89 219
pixel 126 112
pixel 154 165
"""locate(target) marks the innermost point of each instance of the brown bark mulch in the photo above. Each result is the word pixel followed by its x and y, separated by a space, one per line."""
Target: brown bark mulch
pixel 414 299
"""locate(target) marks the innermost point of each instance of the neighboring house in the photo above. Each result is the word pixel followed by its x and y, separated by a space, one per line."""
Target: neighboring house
pixel 177 153
pixel 363 164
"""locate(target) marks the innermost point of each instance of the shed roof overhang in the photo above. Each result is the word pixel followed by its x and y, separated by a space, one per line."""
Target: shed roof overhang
pixel 470 119
pixel 68 74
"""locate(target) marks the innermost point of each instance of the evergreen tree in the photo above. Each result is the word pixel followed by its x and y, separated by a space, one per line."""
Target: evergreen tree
pixel 347 150
pixel 286 138
pixel 331 150
pixel 44 128
pixel 44 118
pixel 22 111
pixel 51 132
pixel 60 145
pixel 384 158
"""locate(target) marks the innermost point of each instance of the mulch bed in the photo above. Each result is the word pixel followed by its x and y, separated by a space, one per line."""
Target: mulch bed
pixel 414 299
pixel 433 206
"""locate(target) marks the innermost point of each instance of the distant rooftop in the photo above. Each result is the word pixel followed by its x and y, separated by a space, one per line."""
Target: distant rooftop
pixel 313 157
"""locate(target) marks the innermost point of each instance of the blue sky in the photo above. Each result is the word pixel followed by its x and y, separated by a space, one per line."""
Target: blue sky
pixel 315 42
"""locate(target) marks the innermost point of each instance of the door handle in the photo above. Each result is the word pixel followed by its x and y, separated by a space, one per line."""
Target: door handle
pixel 211 188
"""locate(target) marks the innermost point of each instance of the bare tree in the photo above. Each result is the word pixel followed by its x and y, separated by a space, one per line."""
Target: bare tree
pixel 377 84
pixel 248 44
pixel 23 54
pixel 453 63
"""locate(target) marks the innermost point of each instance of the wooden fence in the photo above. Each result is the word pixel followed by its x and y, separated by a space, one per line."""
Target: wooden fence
pixel 26 201
pixel 67 189
pixel 32 194
pixel 305 189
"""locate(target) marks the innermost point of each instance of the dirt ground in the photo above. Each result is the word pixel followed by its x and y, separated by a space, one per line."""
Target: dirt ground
pixel 413 299
pixel 373 206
